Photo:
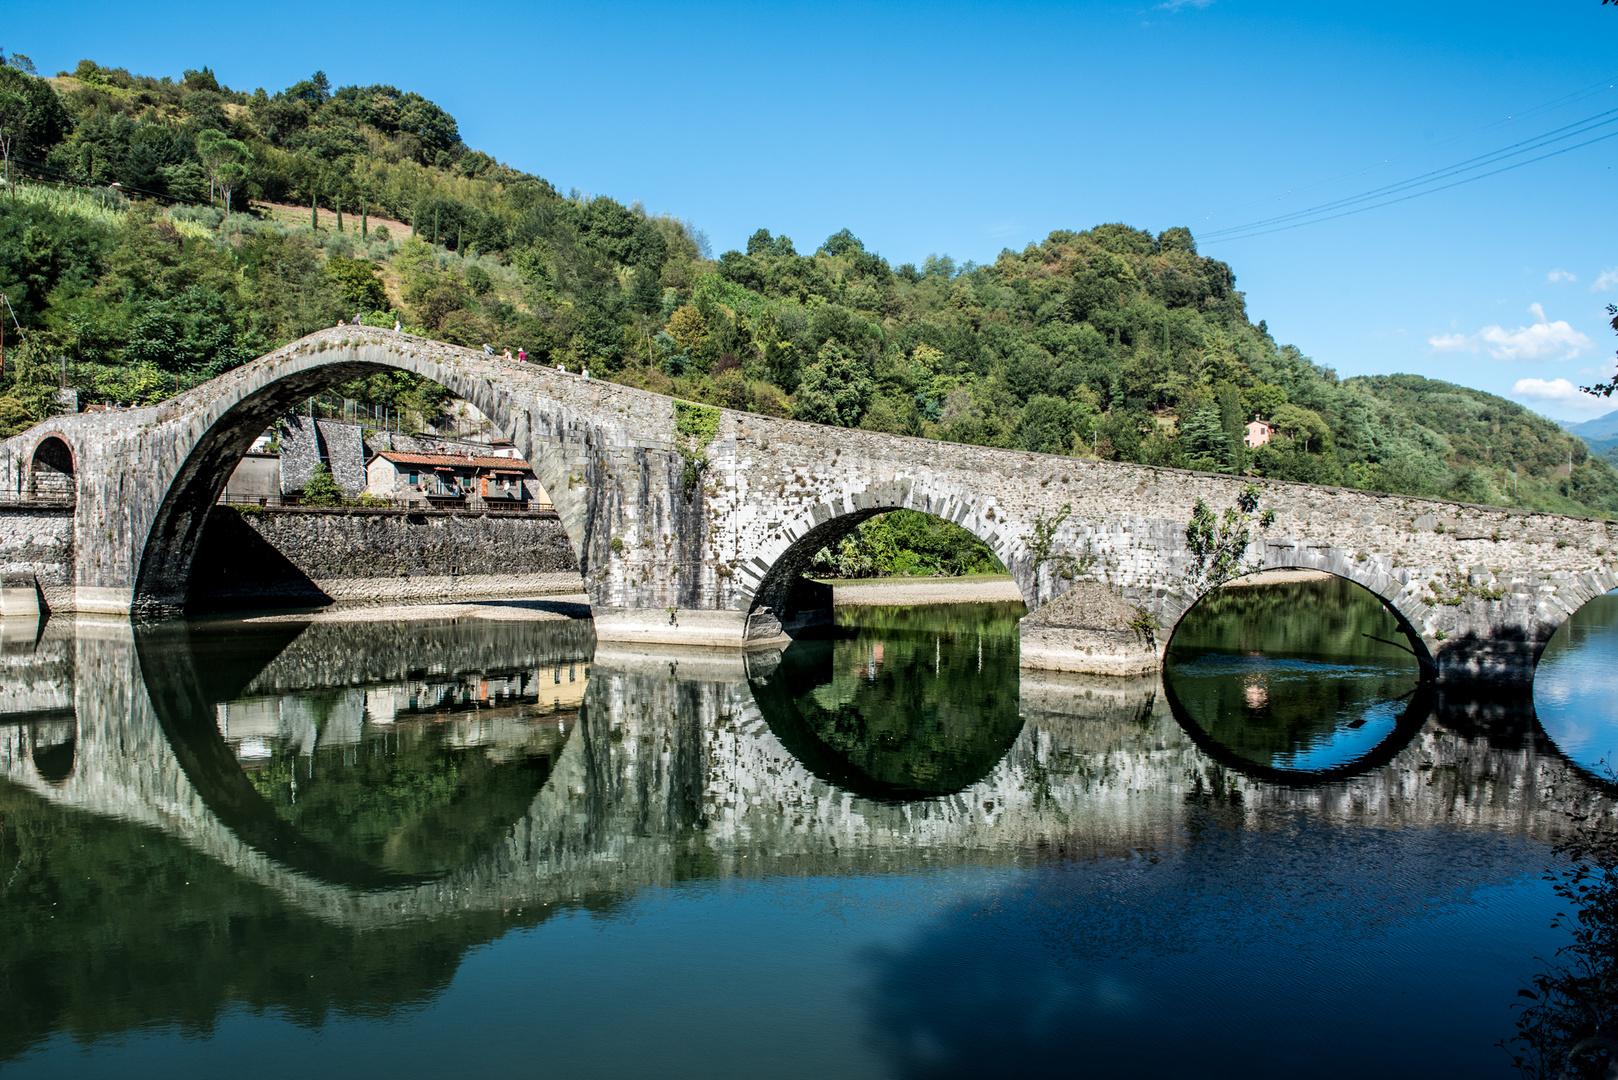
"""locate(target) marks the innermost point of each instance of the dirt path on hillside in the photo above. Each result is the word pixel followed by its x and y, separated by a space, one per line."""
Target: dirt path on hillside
pixel 292 214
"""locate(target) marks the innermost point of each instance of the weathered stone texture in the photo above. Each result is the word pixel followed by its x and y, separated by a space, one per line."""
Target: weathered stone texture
pixel 1089 629
pixel 36 551
pixel 307 442
pixel 311 556
pixel 1482 597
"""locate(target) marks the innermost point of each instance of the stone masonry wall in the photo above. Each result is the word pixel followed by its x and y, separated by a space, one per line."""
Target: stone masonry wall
pixel 36 552
pixel 309 556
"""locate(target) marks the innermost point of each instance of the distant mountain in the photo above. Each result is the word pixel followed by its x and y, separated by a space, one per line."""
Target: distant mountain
pixel 1603 428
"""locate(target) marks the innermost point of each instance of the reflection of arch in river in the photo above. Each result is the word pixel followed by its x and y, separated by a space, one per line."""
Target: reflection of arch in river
pixel 1572 692
pixel 1258 673
pixel 896 713
pixel 1418 707
pixel 191 667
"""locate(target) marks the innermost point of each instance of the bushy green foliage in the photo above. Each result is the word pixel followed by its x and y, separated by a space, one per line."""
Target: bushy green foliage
pixel 1111 342
pixel 904 543
pixel 321 489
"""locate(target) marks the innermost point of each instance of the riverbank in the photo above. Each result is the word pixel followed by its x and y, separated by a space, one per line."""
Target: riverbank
pixel 904 592
pixel 553 608
pixel 1276 577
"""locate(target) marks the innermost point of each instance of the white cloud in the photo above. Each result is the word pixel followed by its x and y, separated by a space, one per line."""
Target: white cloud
pixel 1607 280
pixel 1544 340
pixel 1556 276
pixel 1176 5
pixel 1559 392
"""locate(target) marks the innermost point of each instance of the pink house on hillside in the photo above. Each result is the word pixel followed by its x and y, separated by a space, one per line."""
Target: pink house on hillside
pixel 1258 432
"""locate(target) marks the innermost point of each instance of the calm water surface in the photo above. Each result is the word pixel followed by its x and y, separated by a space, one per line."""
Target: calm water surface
pixel 411 849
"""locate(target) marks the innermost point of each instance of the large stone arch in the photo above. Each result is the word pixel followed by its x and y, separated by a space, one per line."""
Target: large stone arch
pixel 253 396
pixel 784 602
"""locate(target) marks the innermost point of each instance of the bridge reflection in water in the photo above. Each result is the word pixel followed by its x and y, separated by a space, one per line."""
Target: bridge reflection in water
pixel 402 792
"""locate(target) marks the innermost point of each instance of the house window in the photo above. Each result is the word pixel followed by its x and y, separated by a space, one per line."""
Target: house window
pixel 413 479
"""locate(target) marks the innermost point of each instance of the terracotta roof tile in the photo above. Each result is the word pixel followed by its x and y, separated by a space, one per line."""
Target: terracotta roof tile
pixel 461 460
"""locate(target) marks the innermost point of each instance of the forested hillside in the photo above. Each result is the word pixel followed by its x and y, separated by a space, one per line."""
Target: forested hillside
pixel 1113 342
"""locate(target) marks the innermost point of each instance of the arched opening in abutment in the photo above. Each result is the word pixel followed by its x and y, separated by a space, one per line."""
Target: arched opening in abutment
pixel 53 748
pixel 1296 675
pixel 167 579
pixel 792 598
pixel 51 472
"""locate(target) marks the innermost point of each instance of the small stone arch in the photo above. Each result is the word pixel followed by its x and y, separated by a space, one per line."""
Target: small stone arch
pixel 782 602
pixel 51 471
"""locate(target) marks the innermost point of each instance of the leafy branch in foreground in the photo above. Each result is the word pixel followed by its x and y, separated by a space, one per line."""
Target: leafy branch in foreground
pixel 1219 544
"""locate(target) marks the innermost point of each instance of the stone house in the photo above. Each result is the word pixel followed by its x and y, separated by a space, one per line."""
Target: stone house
pixel 454 480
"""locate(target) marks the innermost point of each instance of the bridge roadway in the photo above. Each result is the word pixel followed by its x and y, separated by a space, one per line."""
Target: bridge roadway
pixel 717 560
pixel 671 764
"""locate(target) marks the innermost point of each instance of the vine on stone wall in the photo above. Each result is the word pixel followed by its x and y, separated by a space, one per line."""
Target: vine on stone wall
pixel 695 426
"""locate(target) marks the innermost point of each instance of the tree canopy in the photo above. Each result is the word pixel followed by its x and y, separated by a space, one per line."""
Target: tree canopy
pixel 1114 342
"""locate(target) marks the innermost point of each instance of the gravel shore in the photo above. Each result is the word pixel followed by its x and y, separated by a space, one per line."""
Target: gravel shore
pixel 522 609
pixel 903 592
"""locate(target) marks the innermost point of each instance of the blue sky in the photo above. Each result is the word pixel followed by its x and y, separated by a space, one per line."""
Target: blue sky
pixel 961 129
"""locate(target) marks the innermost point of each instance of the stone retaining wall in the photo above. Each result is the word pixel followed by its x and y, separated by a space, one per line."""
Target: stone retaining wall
pixel 308 556
pixel 36 559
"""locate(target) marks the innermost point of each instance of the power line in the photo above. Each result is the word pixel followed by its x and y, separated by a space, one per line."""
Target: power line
pixel 1568 131
pixel 1419 194
pixel 1516 117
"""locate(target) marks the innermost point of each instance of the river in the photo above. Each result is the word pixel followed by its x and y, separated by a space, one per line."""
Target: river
pixel 422 847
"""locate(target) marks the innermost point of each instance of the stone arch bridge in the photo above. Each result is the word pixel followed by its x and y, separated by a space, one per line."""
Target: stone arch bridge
pixel 690 539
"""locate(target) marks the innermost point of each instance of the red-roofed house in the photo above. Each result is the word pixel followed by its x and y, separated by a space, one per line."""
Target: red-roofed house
pixel 453 481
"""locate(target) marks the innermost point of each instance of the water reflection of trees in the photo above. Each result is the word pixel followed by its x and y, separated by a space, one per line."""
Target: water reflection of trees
pixel 1280 673
pixel 351 797
pixel 1568 1024
pixel 911 703
pixel 107 926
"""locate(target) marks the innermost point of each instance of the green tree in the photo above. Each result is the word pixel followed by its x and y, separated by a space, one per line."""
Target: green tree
pixel 321 489
pixel 835 389
pixel 13 114
pixel 1204 439
pixel 225 160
